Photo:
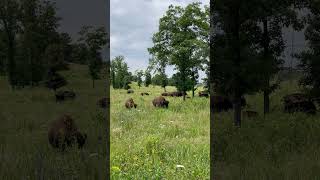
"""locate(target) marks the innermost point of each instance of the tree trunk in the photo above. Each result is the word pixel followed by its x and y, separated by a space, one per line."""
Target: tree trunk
pixel 266 43
pixel 11 63
pixel 237 111
pixel 165 90
pixel 92 83
pixel 266 102
pixel 184 95
pixel 193 92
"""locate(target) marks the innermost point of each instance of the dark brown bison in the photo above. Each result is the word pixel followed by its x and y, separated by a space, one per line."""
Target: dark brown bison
pixel 64 132
pixel 130 91
pixel 165 94
pixel 130 104
pixel 250 114
pixel 102 102
pixel 177 94
pixel 203 94
pixel 63 95
pixel 298 102
pixel 160 102
pixel 223 103
pixel 144 93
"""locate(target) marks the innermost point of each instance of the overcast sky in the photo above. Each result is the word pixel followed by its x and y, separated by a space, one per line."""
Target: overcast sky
pixel 132 25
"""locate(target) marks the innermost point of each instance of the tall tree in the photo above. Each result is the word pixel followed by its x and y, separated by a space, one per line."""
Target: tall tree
pixel 271 44
pixel 94 39
pixel 179 41
pixel 9 18
pixel 234 69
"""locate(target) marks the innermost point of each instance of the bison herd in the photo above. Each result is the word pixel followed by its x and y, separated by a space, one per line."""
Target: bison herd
pixel 63 132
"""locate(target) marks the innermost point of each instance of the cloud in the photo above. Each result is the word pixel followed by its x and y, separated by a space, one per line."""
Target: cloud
pixel 132 25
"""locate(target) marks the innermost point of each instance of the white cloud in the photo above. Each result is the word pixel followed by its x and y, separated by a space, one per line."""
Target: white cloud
pixel 132 26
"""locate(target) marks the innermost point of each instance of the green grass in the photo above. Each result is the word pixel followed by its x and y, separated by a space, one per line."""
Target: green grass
pixel 148 143
pixel 25 115
pixel 279 146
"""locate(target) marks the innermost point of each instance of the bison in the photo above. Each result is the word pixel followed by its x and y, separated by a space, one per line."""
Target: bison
pixel 130 104
pixel 203 94
pixel 130 91
pixel 160 102
pixel 223 103
pixel 102 102
pixel 298 102
pixel 64 132
pixel 165 94
pixel 62 95
pixel 250 114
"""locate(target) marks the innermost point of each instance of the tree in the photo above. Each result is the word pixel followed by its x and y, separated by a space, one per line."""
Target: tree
pixel 180 42
pixel 271 43
pixel 233 57
pixel 94 39
pixel 120 75
pixel 139 75
pixel 9 15
pixel 309 59
pixel 148 78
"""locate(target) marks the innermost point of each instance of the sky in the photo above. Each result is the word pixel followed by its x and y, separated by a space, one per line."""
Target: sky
pixel 131 37
pixel 77 13
pixel 132 25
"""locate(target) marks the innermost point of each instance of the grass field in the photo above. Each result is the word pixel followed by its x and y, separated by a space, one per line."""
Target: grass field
pixel 149 143
pixel 25 115
pixel 279 146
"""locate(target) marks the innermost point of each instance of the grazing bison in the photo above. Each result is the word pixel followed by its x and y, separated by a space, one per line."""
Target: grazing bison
pixel 177 94
pixel 55 81
pixel 130 91
pixel 203 94
pixel 144 93
pixel 298 102
pixel 250 114
pixel 64 132
pixel 165 94
pixel 102 102
pixel 62 95
pixel 223 103
pixel 130 104
pixel 160 102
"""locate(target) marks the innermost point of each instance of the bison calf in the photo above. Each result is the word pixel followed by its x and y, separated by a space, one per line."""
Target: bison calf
pixel 160 102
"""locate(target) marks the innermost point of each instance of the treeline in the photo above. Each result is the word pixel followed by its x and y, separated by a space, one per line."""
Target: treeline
pixel 247 44
pixel 32 48
pixel 121 77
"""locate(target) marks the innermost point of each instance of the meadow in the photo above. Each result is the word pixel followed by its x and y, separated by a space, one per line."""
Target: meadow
pixel 25 114
pixel 277 146
pixel 153 143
